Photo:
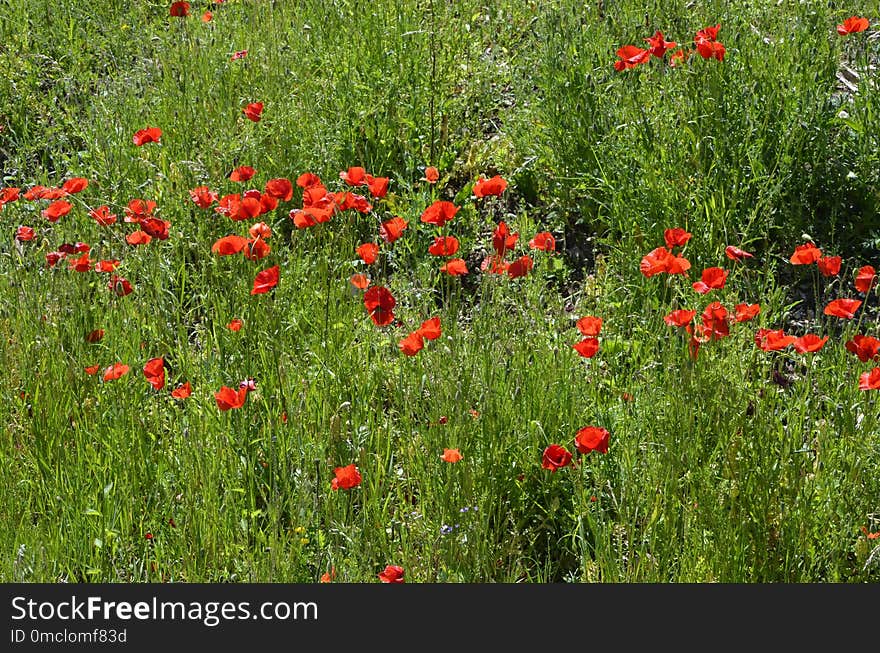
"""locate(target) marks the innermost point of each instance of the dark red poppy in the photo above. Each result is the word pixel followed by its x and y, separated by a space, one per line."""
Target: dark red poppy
pixel 829 266
pixel 102 216
pixel 412 344
pixel 588 347
pixel 853 25
pixel 843 308
pixel 56 210
pixel 380 303
pixel 439 213
pixel 147 135
pixel 391 574
pixel 346 478
pixel 543 241
pixel 806 254
pixel 227 398
pixel 502 239
pixel 94 336
pixel 443 246
pixel 485 187
pixel 865 278
pixel 179 9
pixel 676 237
pixel 659 45
pixel 589 325
pixel 119 286
pixel 74 248
pixel 155 227
pixel 253 111
pixel 680 317
pixel 870 380
pixel 280 188
pixel 592 438
pixel 737 254
pixel 555 457
pixel 392 229
pixel 265 280
pixel 242 173
pixel 368 252
pixel 865 347
pixel 154 371
pixel 520 267
pixel 455 267
pixel 52 258
pixel 631 56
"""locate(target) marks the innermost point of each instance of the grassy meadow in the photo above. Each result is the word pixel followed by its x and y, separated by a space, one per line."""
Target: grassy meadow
pixel 728 459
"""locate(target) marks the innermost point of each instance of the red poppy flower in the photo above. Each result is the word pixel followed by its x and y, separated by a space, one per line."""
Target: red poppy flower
pixel 95 336
pixel 347 477
pixel 412 344
pixel 430 329
pixel 431 175
pixel 154 371
pixel 543 241
pixel 74 248
pixel 75 185
pixel 707 33
pixel 655 262
pixel 659 45
pixel 843 308
pixel 307 180
pixel 711 279
pixel 711 50
pixel 392 574
pixel 870 380
pixel 865 278
pixel 56 210
pixel 91 370
pixel 455 267
pixel 8 195
pixel 676 237
pixel 227 245
pixel 24 233
pixel 592 438
pixel 81 264
pixel 280 188
pixel 392 229
pixel 179 9
pixel 234 324
pixel 120 286
pixel 182 391
pixel 265 280
pixel 853 25
pixel 555 457
pixel 227 398
pixel 770 340
pixel 368 252
pixel 439 213
pixel 588 347
pixel 107 265
pixel 809 343
pixel 715 321
pixel 43 193
pixel 520 267
pixel 207 17
pixel 147 135
pixel 115 371
pixel 485 187
pixel 354 176
pixel 256 249
pixel 806 254
pixel 502 239
pixel 443 246
pixel 139 209
pixel 494 265
pixel 138 238
pixel 737 254
pixel 155 227
pixel 746 312
pixel 359 281
pixel 451 456
pixel 378 186
pixel 679 318
pixel 630 57
pixel 347 200
pixel 380 303
pixel 328 577
pixel 865 347
pixel 589 325
pixel 102 216
pixel 829 265
pixel 242 173
pixel 253 111
pixel 260 230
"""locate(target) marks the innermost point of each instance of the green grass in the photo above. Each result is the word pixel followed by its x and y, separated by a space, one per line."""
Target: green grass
pixel 738 465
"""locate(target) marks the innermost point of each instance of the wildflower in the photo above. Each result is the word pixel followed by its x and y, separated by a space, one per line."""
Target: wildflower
pixel 154 371
pixel 451 455
pixel 592 438
pixel 843 308
pixel 392 574
pixel 265 280
pixel 853 25
pixel 555 457
pixel 347 477
pixel 147 135
pixel 253 111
